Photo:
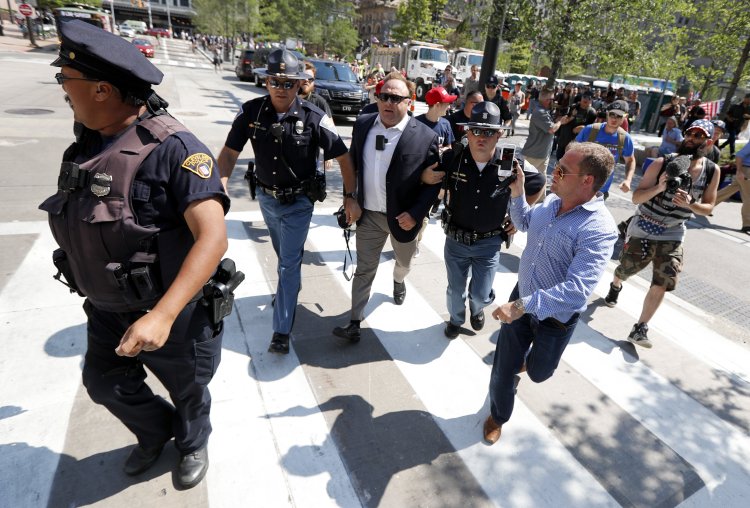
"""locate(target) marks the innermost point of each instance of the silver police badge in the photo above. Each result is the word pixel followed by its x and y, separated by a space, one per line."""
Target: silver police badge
pixel 299 127
pixel 101 184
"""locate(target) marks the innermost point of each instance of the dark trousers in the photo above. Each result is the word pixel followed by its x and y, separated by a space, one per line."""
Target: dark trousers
pixel 184 365
pixel 549 338
pixel 731 138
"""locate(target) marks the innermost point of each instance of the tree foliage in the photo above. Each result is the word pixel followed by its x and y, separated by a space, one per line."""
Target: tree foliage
pixel 51 4
pixel 420 19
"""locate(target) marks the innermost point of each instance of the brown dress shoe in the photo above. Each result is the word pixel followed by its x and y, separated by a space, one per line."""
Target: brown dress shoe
pixel 491 430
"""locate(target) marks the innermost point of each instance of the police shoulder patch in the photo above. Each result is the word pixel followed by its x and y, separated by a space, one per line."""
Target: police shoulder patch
pixel 201 164
pixel 327 123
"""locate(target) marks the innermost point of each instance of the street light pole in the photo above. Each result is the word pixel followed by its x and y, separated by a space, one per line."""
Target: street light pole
pixel 150 22
pixel 169 19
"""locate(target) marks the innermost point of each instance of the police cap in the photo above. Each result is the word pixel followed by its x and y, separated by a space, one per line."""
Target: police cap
pixel 283 63
pixel 100 54
pixel 485 115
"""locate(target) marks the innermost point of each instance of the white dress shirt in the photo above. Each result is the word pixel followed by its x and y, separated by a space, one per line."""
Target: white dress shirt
pixel 375 162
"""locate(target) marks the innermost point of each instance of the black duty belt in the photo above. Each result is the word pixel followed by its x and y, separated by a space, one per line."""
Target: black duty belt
pixel 468 237
pixel 279 193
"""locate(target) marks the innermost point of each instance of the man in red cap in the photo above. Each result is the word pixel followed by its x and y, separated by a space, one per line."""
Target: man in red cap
pixel 438 102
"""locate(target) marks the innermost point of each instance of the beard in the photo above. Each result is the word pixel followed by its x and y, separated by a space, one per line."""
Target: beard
pixel 695 152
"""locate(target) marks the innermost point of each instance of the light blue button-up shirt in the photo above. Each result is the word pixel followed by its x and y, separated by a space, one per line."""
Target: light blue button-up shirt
pixel 565 255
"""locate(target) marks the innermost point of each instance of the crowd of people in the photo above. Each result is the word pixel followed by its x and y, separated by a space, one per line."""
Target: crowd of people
pixel 141 268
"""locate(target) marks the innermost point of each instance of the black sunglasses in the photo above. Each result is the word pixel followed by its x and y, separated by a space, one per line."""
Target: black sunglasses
pixel 389 97
pixel 287 84
pixel 487 133
pixel 62 78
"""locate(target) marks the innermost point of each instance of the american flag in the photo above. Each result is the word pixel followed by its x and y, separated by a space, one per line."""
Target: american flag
pixel 712 108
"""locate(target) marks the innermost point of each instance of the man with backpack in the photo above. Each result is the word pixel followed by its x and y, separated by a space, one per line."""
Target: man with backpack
pixel 611 135
pixel 673 188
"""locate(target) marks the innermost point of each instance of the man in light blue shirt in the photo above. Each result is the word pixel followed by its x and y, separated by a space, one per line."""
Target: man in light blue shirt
pixel 570 238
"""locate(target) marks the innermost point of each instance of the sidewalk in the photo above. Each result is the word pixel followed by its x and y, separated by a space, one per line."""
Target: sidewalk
pixel 13 40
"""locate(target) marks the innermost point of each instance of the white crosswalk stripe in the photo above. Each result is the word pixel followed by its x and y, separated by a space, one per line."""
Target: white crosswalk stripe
pixel 272 444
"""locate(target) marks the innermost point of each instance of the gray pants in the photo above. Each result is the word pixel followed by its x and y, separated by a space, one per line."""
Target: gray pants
pixel 372 232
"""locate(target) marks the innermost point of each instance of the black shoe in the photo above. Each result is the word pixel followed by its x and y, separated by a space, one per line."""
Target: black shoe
pixel 451 331
pixel 141 459
pixel 279 343
pixel 477 322
pixel 639 335
pixel 193 467
pixel 745 230
pixel 351 332
pixel 611 299
pixel 399 292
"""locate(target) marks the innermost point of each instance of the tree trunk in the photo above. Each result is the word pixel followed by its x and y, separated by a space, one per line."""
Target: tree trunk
pixel 736 78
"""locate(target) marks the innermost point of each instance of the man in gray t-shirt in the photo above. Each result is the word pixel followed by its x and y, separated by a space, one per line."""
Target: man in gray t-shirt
pixel 542 130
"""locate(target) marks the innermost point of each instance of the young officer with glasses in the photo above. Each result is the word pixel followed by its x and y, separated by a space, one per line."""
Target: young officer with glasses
pixel 287 134
pixel 476 220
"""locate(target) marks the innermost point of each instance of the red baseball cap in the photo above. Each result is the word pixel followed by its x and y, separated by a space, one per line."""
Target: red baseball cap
pixel 438 94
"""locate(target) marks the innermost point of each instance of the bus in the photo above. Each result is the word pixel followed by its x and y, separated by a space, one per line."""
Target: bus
pixel 87 13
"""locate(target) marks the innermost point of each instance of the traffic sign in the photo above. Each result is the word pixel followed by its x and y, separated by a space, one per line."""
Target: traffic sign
pixel 26 9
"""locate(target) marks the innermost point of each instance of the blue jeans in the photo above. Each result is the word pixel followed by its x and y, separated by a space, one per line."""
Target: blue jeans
pixel 288 226
pixel 549 338
pixel 482 258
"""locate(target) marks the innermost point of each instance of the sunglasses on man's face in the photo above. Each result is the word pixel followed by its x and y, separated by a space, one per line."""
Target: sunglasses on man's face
pixel 286 84
pixel 695 134
pixel 615 115
pixel 389 97
pixel 62 78
pixel 490 86
pixel 560 172
pixel 487 133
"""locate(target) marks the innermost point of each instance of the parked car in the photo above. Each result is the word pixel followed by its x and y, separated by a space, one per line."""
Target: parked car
pixel 337 84
pixel 127 31
pixel 260 60
pixel 158 32
pixel 144 46
pixel 140 27
pixel 244 67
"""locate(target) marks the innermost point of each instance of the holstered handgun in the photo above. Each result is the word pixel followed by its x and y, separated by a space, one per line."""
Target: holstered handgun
pixel 60 259
pixel 250 177
pixel 218 292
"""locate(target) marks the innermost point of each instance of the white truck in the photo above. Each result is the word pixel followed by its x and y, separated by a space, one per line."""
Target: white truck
pixel 421 60
pixel 463 59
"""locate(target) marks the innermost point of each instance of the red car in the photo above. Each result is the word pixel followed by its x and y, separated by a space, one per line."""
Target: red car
pixel 158 32
pixel 145 47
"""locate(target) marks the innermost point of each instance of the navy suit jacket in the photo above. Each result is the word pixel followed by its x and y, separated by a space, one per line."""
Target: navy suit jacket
pixel 417 148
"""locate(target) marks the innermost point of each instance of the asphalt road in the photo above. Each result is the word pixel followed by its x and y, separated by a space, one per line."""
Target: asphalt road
pixel 395 420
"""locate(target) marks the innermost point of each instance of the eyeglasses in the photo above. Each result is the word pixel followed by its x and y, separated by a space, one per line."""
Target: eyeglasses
pixel 287 84
pixel 487 133
pixel 559 171
pixel 62 78
pixel 389 97
pixel 309 80
pixel 695 134
pixel 615 115
pixel 488 85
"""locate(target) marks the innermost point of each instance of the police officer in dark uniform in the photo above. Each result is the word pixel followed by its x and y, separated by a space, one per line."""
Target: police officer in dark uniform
pixel 139 216
pixel 287 134
pixel 475 218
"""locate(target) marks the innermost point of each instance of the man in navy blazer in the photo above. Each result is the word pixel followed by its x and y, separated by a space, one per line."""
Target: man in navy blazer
pixel 390 150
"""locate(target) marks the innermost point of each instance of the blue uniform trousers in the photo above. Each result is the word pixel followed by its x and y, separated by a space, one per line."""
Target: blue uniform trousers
pixel 482 259
pixel 549 338
pixel 184 365
pixel 288 225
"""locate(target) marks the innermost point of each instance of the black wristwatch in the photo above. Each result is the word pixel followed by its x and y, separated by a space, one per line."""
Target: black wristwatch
pixel 352 195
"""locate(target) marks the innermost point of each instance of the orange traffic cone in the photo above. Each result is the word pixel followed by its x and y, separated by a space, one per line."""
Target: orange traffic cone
pixel 413 101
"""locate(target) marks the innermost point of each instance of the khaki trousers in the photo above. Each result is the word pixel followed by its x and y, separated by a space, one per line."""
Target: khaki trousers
pixel 372 232
pixel 743 186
